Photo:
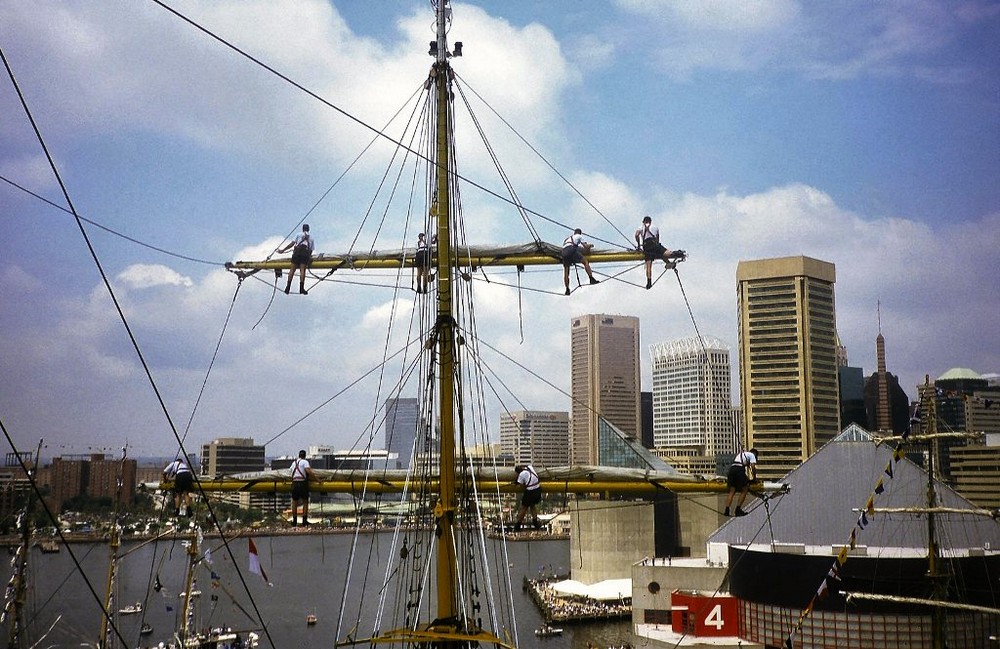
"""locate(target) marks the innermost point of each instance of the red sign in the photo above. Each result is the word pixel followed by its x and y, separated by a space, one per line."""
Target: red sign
pixel 704 615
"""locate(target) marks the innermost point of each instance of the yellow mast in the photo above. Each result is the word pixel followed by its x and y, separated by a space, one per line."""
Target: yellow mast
pixel 450 629
pixel 377 483
pixel 938 581
pixel 444 511
pixel 109 602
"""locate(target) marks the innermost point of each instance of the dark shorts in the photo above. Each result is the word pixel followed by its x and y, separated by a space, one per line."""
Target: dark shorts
pixel 183 482
pixel 571 255
pixel 653 249
pixel 301 256
pixel 531 497
pixel 737 477
pixel 300 490
pixel 421 259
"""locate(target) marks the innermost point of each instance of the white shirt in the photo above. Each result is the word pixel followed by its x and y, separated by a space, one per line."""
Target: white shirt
pixel 175 467
pixel 306 239
pixel 573 240
pixel 744 458
pixel 529 479
pixel 298 469
pixel 651 232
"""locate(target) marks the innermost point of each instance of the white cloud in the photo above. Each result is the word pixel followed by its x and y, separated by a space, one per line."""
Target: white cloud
pixel 138 75
pixel 140 276
pixel 821 40
pixel 16 280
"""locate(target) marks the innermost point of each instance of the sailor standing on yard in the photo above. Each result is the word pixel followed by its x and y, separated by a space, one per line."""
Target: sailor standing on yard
pixel 574 251
pixel 532 495
pixel 422 261
pixel 183 479
pixel 301 257
pixel 302 473
pixel 647 237
pixel 742 472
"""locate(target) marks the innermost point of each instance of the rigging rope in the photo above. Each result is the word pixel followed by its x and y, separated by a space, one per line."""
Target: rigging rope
pixel 496 163
pixel 550 165
pixel 211 363
pixel 110 230
pixel 360 122
pixel 55 521
pixel 121 314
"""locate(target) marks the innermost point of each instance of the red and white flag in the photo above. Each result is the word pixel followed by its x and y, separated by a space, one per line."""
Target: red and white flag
pixel 255 566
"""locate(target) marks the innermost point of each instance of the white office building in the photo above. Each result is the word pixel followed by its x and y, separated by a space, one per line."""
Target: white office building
pixel 692 404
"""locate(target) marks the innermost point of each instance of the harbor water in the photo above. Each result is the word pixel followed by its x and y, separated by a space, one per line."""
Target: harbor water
pixel 307 573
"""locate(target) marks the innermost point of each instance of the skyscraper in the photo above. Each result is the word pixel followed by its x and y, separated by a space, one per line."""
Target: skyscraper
pixel 535 437
pixel 691 397
pixel 605 380
pixel 788 359
pixel 400 428
pixel 887 407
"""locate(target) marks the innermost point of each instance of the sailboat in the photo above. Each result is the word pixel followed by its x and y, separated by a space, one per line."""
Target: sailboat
pixel 445 554
pixel 448 589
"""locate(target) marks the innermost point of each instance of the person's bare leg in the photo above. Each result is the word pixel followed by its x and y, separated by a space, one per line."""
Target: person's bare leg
pixel 302 280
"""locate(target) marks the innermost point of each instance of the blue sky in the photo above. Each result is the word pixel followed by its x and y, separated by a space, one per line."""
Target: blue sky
pixel 864 134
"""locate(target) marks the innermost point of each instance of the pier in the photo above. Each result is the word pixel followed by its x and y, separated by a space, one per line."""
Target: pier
pixel 559 608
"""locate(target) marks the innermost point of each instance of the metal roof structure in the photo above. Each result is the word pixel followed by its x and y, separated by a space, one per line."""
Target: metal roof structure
pixel 828 491
pixel 959 373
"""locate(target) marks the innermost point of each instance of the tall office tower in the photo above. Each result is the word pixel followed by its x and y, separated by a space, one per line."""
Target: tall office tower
pixel 886 405
pixel 883 412
pixel 605 375
pixel 788 359
pixel 691 397
pixel 229 455
pixel 400 429
pixel 535 437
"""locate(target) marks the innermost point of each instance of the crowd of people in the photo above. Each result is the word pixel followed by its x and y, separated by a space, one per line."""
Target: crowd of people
pixel 561 607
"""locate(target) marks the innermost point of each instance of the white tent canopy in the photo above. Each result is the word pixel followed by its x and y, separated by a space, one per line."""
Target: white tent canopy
pixel 603 591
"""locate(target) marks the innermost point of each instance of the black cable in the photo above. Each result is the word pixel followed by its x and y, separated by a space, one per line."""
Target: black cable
pixel 337 394
pixel 211 363
pixel 351 117
pixel 52 517
pixel 121 314
pixel 549 164
pixel 109 230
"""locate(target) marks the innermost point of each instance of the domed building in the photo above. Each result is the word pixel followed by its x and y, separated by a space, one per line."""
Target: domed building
pixel 848 544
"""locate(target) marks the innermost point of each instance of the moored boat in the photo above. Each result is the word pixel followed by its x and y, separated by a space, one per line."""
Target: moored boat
pixel 131 609
pixel 547 631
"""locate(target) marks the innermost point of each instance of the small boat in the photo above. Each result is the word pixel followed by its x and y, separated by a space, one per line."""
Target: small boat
pixel 131 609
pixel 311 619
pixel 547 631
pixel 145 629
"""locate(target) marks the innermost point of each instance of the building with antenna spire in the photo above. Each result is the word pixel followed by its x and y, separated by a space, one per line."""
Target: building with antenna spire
pixel 886 403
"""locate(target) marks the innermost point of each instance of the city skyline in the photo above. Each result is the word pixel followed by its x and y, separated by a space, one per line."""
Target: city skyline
pixel 866 136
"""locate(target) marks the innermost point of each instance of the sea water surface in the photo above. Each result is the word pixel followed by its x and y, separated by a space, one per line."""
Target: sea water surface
pixel 307 573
